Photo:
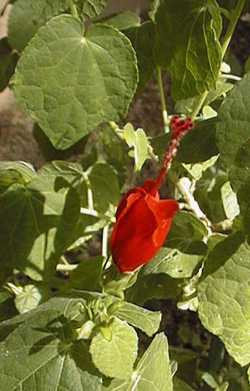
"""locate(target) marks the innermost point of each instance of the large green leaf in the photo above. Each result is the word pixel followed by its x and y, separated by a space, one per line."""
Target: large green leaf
pixel 38 225
pixel 179 48
pixel 199 144
pixel 224 296
pixel 147 321
pixel 143 41
pixel 81 80
pixel 233 137
pixel 115 356
pixel 176 263
pixel 152 371
pixel 27 16
pixel 87 275
pixel 91 8
pixel 38 353
pixel 123 21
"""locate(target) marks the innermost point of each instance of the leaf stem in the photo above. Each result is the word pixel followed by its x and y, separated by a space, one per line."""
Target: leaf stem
pixel 163 100
pixel 105 232
pixel 226 41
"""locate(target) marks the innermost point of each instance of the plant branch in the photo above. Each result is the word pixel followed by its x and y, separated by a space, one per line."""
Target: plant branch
pixel 163 100
pixel 184 188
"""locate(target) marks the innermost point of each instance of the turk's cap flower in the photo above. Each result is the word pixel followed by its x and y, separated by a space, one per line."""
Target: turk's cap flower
pixel 143 221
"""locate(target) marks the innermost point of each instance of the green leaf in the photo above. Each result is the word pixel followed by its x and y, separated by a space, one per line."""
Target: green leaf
pixel 27 16
pixel 138 140
pixel 153 286
pixel 178 48
pixel 233 133
pixel 209 194
pixel 152 372
pixel 175 263
pixel 115 357
pixel 15 173
pixel 87 275
pixel 229 200
pixel 199 144
pixel 39 354
pixel 185 230
pixel 39 224
pixel 91 8
pixel 224 296
pixel 7 64
pixel 28 298
pixel 248 372
pixel 104 185
pixel 143 40
pixel 80 81
pixel 123 21
pixel 145 320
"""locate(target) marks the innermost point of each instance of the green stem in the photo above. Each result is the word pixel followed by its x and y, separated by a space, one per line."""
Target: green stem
pixel 226 41
pixel 199 105
pixel 163 100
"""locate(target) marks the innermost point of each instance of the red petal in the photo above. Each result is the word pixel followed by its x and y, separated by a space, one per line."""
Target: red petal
pixel 162 209
pixel 131 240
pixel 127 201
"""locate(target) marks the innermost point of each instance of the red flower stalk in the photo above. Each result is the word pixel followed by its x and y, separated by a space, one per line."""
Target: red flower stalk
pixel 142 219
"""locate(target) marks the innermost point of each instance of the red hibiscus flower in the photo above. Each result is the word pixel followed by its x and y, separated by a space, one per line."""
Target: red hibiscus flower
pixel 142 219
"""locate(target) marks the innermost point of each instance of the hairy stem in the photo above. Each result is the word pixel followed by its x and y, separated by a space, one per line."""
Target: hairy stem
pixel 163 100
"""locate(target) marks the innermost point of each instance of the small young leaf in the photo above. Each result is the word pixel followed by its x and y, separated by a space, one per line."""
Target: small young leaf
pixel 137 139
pixel 80 81
pixel 115 357
pixel 28 299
